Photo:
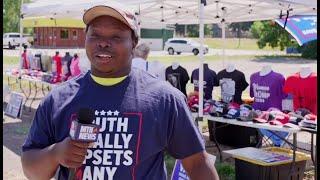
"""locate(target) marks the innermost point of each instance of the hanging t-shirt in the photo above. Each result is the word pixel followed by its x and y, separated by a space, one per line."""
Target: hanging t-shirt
pixel 46 62
pixel 139 119
pixel 304 91
pixel 232 85
pixel 178 78
pixel 267 90
pixel 157 69
pixel 209 81
pixel 57 61
pixel 139 63
pixel 66 62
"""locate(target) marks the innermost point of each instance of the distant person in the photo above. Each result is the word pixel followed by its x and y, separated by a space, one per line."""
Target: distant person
pixel 140 61
pixel 57 62
pixel 24 60
pixel 74 66
pixel 141 53
pixel 66 62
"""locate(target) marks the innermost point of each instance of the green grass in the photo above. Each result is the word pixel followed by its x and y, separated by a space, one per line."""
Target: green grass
pixel 10 60
pixel 225 171
pixel 233 43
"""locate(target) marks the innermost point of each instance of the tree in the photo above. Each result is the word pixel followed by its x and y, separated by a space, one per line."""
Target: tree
pixel 11 15
pixel 271 34
pixel 239 27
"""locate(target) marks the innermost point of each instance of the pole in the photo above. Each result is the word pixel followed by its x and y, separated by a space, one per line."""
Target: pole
pixel 223 37
pixel 21 38
pixel 201 59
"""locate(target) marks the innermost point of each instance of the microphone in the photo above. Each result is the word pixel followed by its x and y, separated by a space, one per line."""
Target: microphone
pixel 83 130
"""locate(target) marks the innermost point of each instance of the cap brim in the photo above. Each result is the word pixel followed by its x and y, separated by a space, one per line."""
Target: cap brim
pixel 98 11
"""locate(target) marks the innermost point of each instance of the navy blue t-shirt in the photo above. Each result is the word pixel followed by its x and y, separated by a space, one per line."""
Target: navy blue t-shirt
pixel 139 118
pixel 210 80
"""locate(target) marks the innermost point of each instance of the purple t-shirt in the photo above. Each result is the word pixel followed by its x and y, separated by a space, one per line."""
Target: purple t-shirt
pixel 140 118
pixel 267 90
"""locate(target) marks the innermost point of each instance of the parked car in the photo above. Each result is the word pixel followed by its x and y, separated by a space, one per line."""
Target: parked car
pixel 12 40
pixel 179 45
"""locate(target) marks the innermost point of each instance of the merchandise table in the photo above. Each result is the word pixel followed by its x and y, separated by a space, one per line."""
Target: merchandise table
pixel 266 126
pixel 35 85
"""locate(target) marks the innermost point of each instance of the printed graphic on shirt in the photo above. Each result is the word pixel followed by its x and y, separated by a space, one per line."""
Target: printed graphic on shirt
pixel 227 89
pixel 261 93
pixel 174 79
pixel 117 147
pixel 196 84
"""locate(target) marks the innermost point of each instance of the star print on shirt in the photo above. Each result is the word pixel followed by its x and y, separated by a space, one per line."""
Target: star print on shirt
pixel 102 113
pixel 96 113
pixel 116 113
pixel 109 113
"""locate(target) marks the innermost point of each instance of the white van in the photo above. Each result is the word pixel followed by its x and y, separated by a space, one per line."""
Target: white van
pixel 12 40
pixel 178 45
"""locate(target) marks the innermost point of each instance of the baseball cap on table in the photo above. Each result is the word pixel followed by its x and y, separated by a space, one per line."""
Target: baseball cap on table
pixel 247 113
pixel 295 118
pixel 219 109
pixel 232 113
pixel 115 11
pixel 302 111
pixel 264 117
pixel 280 119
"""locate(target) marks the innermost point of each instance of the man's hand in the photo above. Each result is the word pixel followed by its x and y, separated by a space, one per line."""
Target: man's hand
pixel 70 153
pixel 200 166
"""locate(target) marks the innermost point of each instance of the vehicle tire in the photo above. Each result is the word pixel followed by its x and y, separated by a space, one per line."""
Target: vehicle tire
pixel 171 51
pixel 195 51
pixel 10 47
pixel 178 53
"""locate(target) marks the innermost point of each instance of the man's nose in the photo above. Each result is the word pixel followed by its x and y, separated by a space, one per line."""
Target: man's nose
pixel 104 44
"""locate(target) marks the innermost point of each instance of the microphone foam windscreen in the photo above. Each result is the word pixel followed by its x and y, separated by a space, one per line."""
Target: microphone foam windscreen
pixel 85 116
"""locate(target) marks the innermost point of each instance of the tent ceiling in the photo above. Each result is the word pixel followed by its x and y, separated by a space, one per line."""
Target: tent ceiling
pixel 178 11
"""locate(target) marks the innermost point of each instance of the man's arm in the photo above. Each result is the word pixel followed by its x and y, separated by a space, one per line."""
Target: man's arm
pixel 43 163
pixel 39 163
pixel 200 166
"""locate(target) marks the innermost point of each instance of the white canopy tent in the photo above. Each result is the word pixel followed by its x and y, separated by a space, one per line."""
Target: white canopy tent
pixel 178 12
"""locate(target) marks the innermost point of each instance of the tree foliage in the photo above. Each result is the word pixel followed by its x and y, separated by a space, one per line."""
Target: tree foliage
pixel 240 27
pixel 11 15
pixel 271 34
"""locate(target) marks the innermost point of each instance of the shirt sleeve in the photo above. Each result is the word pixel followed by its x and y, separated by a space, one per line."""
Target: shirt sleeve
pixel 244 84
pixel 40 134
pixel 191 80
pixel 184 138
pixel 186 76
pixel 215 79
pixel 251 88
pixel 288 88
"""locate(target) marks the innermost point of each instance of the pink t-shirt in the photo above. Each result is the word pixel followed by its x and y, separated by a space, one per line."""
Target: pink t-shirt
pixel 74 67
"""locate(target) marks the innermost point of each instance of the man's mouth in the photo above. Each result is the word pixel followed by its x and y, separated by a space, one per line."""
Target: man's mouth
pixel 104 57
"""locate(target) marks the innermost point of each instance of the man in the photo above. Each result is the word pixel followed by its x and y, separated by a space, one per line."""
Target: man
pixel 139 116
pixel 139 61
pixel 141 53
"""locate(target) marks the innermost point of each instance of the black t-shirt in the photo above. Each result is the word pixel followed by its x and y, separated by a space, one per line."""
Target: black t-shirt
pixel 209 80
pixel 232 85
pixel 178 78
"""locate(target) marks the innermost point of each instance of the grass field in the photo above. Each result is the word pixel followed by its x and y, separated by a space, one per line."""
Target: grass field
pixel 233 43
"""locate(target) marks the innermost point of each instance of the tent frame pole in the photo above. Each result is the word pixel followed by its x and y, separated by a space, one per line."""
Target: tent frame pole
pixel 201 58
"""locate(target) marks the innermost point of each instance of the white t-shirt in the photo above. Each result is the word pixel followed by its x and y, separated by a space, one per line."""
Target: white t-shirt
pixel 139 63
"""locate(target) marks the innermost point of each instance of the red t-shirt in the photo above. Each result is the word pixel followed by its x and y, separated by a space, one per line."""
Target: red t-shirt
pixel 57 60
pixel 304 91
pixel 25 64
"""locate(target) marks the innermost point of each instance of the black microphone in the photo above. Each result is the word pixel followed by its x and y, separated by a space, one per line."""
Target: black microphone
pixel 83 130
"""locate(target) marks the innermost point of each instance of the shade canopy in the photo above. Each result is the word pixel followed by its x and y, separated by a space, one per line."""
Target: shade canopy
pixel 302 28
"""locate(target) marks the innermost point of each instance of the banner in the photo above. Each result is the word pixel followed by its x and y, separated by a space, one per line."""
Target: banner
pixel 302 28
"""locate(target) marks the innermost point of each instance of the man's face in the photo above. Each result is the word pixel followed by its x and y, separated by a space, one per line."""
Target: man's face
pixel 109 46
